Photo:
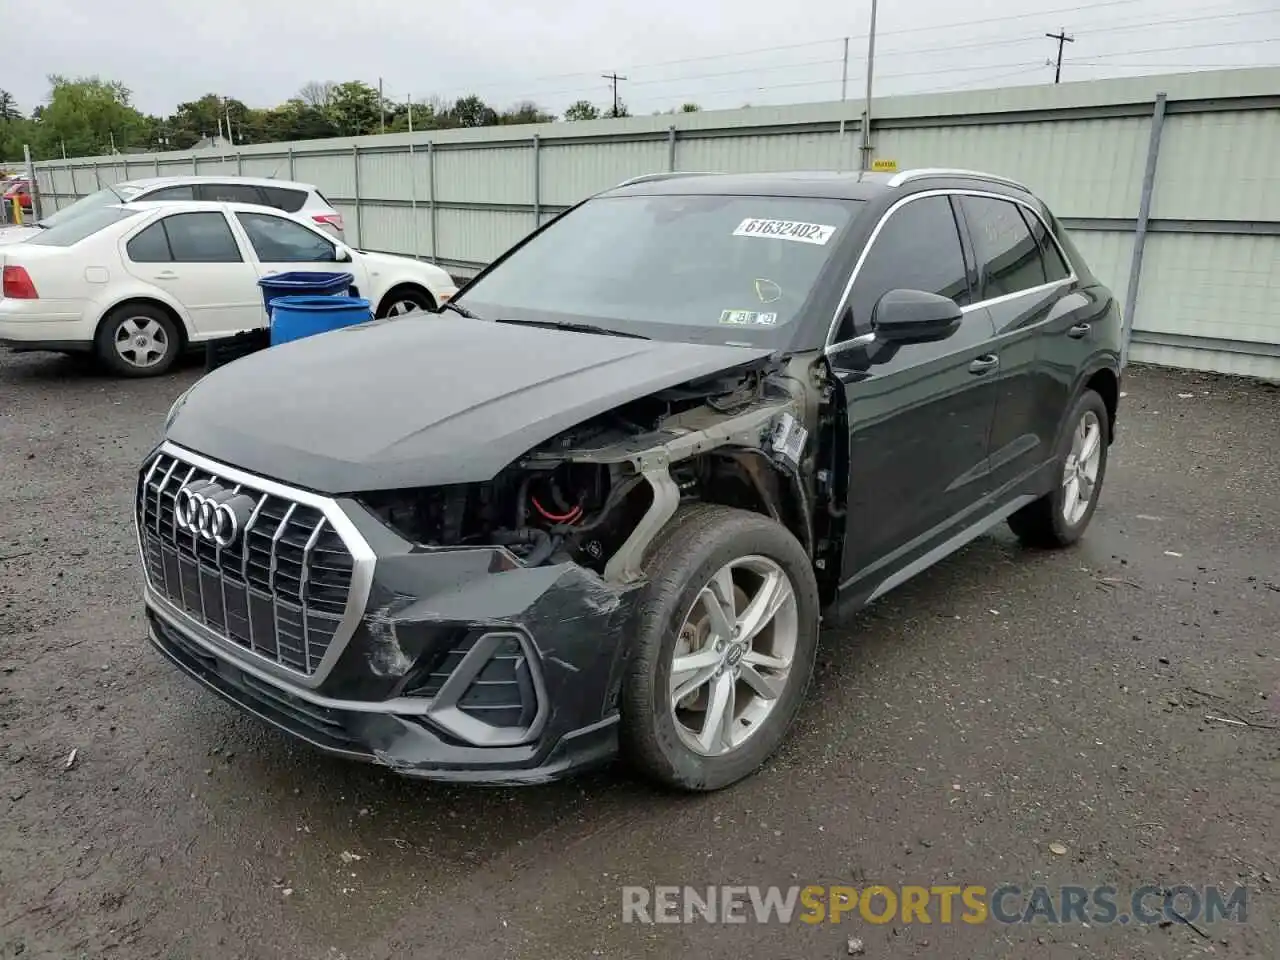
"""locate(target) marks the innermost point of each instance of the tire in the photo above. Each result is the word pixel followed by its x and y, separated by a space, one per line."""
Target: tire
pixel 154 357
pixel 1046 523
pixel 395 302
pixel 672 616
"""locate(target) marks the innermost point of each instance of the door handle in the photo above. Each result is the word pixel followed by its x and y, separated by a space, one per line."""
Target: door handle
pixel 166 275
pixel 1078 331
pixel 984 363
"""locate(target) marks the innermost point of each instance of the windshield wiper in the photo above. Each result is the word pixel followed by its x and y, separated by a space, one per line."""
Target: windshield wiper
pixel 459 308
pixel 576 327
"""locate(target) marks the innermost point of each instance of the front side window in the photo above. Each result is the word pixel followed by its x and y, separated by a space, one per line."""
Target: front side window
pixel 277 240
pixel 89 222
pixel 917 248
pixel 201 238
pixel 702 267
pixel 1008 256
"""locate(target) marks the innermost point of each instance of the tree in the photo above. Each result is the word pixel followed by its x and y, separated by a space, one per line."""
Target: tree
pixel 526 111
pixel 582 110
pixel 617 110
pixel 355 109
pixel 8 108
pixel 689 108
pixel 87 116
pixel 317 93
pixel 471 111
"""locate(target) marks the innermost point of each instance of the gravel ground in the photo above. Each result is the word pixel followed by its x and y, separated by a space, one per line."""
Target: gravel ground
pixel 1000 703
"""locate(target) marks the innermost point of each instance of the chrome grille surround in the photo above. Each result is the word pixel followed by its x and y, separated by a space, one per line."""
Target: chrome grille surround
pixel 286 595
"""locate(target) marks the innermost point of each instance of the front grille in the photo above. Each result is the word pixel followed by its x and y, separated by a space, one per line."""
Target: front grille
pixel 279 589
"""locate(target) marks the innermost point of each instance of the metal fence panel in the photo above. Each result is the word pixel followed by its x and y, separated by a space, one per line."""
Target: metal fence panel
pixel 576 170
pixel 1220 166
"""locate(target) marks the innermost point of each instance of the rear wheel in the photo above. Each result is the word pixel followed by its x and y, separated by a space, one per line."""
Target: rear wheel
pixel 138 340
pixel 405 300
pixel 1059 518
pixel 726 633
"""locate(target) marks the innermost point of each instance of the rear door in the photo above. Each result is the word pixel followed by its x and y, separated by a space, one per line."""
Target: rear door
pixel 282 245
pixel 1028 298
pixel 195 258
pixel 918 413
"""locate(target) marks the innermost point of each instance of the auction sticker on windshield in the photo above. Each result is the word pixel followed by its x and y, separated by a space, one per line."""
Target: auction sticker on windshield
pixel 818 233
pixel 747 318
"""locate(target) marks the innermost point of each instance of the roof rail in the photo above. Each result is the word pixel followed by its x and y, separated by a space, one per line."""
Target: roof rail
pixel 900 178
pixel 653 177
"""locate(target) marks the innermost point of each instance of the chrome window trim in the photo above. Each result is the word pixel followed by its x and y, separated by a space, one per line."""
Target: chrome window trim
pixel 363 560
pixel 990 301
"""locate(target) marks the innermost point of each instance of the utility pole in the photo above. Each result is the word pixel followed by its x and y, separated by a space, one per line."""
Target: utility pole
pixel 615 78
pixel 1061 37
pixel 409 103
pixel 382 109
pixel 866 115
pixel 226 105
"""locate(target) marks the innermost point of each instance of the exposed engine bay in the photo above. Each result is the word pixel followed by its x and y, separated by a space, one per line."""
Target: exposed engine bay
pixel 590 492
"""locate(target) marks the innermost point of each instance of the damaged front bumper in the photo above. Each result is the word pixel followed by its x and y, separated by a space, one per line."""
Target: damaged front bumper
pixel 464 666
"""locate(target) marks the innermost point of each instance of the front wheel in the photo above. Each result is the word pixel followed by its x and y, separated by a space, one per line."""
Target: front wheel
pixel 1059 518
pixel 406 300
pixel 726 633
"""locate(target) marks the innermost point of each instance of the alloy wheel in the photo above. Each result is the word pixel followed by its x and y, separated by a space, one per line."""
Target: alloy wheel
pixel 1080 473
pixel 733 655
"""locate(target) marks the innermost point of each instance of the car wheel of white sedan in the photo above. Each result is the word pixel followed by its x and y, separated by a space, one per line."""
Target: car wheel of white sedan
pixel 405 300
pixel 138 340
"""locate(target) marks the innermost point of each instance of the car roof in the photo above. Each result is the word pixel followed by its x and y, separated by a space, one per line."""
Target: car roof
pixel 825 184
pixel 204 206
pixel 144 182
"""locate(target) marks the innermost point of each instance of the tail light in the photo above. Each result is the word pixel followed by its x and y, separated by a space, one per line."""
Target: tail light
pixel 17 284
pixel 332 219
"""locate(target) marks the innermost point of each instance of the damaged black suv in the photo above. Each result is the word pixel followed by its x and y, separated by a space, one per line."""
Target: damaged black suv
pixel 603 505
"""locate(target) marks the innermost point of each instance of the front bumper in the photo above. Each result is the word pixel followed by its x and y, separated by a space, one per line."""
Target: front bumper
pixel 464 666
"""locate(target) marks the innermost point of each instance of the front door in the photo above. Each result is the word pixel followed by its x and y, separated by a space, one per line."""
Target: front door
pixel 195 259
pixel 918 413
pixel 281 245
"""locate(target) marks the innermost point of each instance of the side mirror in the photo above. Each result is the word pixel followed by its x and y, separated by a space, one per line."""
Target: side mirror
pixel 913 316
pixel 341 254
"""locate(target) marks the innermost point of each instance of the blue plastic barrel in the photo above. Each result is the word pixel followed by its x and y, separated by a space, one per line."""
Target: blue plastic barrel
pixel 303 283
pixel 293 318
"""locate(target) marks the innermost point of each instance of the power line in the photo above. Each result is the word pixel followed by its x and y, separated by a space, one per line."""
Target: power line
pixel 1061 37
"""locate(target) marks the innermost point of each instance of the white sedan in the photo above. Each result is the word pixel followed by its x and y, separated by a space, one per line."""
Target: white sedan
pixel 137 283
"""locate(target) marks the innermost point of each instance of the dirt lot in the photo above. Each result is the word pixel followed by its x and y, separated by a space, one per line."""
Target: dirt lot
pixel 1001 703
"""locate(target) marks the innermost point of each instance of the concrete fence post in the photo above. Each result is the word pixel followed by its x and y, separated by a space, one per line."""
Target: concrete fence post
pixel 239 164
pixel 195 164
pixel 671 148
pixel 1140 228
pixel 97 174
pixel 291 176
pixel 156 166
pixel 355 171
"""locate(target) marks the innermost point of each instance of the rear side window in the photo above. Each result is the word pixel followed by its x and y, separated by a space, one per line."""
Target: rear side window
pixel 229 193
pixel 201 238
pixel 1008 256
pixel 78 228
pixel 150 246
pixel 917 248
pixel 1055 268
pixel 184 193
pixel 290 201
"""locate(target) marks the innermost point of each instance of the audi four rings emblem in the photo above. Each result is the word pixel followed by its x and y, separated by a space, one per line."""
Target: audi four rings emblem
pixel 211 512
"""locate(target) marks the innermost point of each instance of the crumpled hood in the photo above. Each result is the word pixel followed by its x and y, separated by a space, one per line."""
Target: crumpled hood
pixel 422 401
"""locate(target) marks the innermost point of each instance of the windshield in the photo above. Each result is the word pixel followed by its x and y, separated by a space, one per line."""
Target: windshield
pixel 85 225
pixel 715 268
pixel 120 193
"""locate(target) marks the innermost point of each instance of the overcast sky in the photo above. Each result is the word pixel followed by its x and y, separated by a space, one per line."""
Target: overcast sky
pixel 553 51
